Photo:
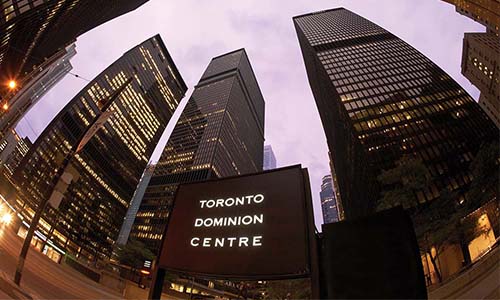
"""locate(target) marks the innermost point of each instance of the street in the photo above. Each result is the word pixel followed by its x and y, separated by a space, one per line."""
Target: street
pixel 44 279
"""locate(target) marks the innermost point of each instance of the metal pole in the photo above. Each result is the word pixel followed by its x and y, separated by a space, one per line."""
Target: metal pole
pixel 156 286
pixel 27 242
pixel 192 286
pixel 34 222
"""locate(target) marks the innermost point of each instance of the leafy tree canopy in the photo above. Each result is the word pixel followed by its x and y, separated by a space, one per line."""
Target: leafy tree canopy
pixel 402 183
pixel 134 253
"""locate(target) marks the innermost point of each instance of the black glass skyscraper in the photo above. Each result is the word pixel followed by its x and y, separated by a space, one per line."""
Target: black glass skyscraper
pixel 379 99
pixel 107 170
pixel 33 30
pixel 219 134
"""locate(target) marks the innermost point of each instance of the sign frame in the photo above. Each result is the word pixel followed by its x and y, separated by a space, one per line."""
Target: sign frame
pixel 309 232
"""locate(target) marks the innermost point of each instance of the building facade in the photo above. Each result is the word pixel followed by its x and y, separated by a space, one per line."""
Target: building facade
pixel 12 151
pixel 107 170
pixel 41 80
pixel 486 12
pixel 269 158
pixel 328 200
pixel 379 100
pixel 481 65
pixel 33 30
pixel 219 134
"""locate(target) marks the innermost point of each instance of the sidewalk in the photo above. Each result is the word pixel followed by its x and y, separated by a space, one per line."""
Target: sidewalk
pixel 478 282
pixel 9 290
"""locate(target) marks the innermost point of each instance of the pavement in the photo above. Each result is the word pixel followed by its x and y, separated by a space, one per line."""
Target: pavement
pixel 480 281
pixel 9 290
pixel 43 278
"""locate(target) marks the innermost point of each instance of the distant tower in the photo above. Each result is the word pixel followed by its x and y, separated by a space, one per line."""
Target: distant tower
pixel 107 171
pixel 219 134
pixel 328 201
pixel 380 99
pixel 269 158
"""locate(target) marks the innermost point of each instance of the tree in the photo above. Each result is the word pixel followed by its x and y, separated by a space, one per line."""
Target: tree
pixel 484 170
pixel 133 254
pixel 402 183
pixel 438 223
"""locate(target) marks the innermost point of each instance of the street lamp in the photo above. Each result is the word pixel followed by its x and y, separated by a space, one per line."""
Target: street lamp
pixel 12 84
pixel 62 175
pixel 6 218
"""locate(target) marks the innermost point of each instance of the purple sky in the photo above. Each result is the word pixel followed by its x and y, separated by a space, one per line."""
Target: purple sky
pixel 195 31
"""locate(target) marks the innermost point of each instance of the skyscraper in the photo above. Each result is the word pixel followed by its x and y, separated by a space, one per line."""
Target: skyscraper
pixel 12 151
pixel 106 172
pixel 486 12
pixel 219 134
pixel 33 30
pixel 380 99
pixel 328 200
pixel 481 65
pixel 40 81
pixel 269 158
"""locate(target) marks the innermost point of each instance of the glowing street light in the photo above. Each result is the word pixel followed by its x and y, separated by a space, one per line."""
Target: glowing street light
pixel 12 84
pixel 6 219
pixel 5 106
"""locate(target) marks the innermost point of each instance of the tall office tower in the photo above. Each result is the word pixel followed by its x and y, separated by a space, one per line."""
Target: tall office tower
pixel 486 12
pixel 33 30
pixel 269 158
pixel 481 65
pixel 134 205
pixel 328 200
pixel 380 99
pixel 219 134
pixel 48 74
pixel 107 170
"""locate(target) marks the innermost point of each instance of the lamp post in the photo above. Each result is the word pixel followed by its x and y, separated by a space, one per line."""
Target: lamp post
pixel 98 121
pixel 12 87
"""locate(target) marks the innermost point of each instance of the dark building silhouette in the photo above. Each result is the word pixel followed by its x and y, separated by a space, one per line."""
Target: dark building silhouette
pixel 328 200
pixel 106 172
pixel 219 134
pixel 380 99
pixel 33 30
